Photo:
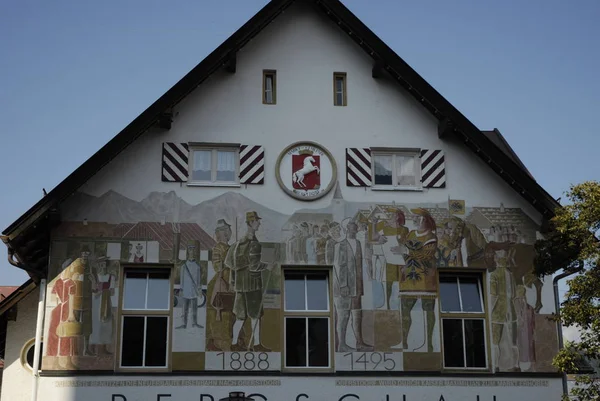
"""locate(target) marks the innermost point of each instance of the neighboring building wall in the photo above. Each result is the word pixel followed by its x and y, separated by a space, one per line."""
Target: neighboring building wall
pixel 16 379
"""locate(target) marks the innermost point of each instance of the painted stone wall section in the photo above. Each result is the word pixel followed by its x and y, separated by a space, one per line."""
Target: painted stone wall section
pixel 228 253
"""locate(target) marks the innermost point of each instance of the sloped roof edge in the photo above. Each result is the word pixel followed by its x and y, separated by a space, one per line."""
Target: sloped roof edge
pixel 16 296
pixel 466 131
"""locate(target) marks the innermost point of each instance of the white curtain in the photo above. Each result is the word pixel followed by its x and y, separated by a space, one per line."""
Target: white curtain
pixel 406 165
pixel 226 161
pixel 405 170
pixel 226 166
pixel 269 89
pixel 202 160
pixel 383 165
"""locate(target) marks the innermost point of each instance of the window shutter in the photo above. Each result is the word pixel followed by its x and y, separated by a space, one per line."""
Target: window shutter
pixel 358 167
pixel 252 164
pixel 175 162
pixel 433 168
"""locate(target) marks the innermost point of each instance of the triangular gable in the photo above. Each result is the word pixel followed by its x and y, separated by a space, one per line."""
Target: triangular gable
pixel 35 224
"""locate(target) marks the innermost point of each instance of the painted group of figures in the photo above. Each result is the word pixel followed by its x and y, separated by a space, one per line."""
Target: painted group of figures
pixel 372 256
pixel 82 322
pixel 375 253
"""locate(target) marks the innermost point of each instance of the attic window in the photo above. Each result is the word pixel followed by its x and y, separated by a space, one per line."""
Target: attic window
pixel 269 86
pixel 340 97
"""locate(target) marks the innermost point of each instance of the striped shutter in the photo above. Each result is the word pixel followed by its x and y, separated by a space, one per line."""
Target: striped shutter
pixel 433 168
pixel 175 162
pixel 252 164
pixel 358 167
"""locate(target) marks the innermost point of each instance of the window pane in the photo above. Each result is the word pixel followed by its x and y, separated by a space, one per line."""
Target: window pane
pixel 316 290
pixel 202 165
pixel 339 84
pixel 318 342
pixel 134 296
pixel 449 294
pixel 405 170
pixel 295 342
pixel 268 82
pixel 31 351
pixel 294 292
pixel 475 343
pixel 159 291
pixel 269 88
pixel 469 291
pixel 383 170
pixel 226 166
pixel 132 344
pixel 156 341
pixel 453 343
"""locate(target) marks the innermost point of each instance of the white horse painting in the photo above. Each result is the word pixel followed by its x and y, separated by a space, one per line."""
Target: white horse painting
pixel 298 176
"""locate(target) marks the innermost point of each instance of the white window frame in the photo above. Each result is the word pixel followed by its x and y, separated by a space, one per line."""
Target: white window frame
pixel 479 286
pixel 214 159
pixel 273 90
pixel 145 313
pixel 344 92
pixel 462 316
pixel 308 314
pixel 414 153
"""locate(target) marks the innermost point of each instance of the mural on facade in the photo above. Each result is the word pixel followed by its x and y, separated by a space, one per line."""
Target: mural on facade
pixel 227 284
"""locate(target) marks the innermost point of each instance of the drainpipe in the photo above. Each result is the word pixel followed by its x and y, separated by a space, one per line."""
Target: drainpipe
pixel 564 274
pixel 38 340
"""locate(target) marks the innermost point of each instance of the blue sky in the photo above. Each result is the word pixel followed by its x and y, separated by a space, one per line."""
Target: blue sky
pixel 73 74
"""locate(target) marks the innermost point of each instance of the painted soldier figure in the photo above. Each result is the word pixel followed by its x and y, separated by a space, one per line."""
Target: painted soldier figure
pixel 348 289
pixel 219 292
pixel 244 260
pixel 86 305
pixel 417 277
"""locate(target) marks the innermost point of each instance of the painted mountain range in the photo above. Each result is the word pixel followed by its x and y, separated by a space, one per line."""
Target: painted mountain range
pixel 114 208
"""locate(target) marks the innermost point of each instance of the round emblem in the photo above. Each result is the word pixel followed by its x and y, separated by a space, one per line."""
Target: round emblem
pixel 306 171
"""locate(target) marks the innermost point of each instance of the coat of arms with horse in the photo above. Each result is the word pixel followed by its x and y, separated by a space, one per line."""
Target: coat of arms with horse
pixel 306 170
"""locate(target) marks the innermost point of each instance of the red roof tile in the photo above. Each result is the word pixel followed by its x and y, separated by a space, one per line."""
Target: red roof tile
pixel 5 291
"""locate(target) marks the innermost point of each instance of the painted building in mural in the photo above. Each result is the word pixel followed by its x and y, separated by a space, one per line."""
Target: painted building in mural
pixel 301 217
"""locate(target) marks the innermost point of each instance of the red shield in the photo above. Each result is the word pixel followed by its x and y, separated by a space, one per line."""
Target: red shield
pixel 306 172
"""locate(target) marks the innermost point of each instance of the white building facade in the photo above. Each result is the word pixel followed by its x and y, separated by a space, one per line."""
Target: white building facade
pixel 302 217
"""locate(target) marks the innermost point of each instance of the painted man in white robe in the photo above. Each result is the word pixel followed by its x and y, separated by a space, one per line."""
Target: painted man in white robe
pixel 191 287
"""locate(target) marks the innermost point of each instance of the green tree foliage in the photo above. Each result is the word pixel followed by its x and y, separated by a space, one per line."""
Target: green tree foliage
pixel 571 242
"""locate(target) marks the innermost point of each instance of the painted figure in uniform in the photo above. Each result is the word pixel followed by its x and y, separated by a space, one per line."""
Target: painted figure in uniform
pixel 387 239
pixel 504 316
pixel 219 292
pixel 301 247
pixel 311 246
pixel 417 277
pixel 292 245
pixel 244 260
pixel 65 326
pixel 348 289
pixel 130 253
pixel 191 287
pixel 138 257
pixel 525 322
pixel 103 284
pixel 450 243
pixel 335 236
pixel 321 244
pixel 86 304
